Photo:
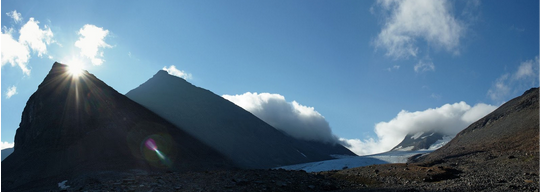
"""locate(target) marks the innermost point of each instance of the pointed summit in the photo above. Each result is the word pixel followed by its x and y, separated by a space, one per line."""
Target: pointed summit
pixel 228 128
pixel 77 126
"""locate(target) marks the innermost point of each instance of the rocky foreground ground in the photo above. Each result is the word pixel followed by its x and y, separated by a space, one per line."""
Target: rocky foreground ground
pixel 482 171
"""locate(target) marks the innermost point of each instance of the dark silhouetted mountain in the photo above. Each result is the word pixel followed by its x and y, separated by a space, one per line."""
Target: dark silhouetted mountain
pixel 235 132
pixel 6 152
pixel 75 126
pixel 510 130
pixel 418 141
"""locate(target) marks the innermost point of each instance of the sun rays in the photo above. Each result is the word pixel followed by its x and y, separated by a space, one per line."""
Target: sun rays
pixel 75 68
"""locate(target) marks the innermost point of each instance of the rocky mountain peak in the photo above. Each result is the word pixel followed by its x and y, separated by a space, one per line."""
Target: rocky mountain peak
pixel 228 128
pixel 74 126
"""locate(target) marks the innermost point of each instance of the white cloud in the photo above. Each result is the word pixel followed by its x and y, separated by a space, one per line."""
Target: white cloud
pixel 499 90
pixel 15 16
pixel 6 145
pixel 447 119
pixel 31 38
pixel 525 70
pixel 14 52
pixel 11 91
pixel 34 37
pixel 179 73
pixel 395 67
pixel 299 121
pixel 510 84
pixel 424 65
pixel 409 21
pixel 91 39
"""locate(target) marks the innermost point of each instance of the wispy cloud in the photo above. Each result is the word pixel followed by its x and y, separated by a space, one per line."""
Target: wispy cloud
pixel 447 119
pixel 11 91
pixel 409 21
pixel 395 67
pixel 510 84
pixel 15 16
pixel 525 69
pixel 424 65
pixel 297 120
pixel 91 40
pixel 179 73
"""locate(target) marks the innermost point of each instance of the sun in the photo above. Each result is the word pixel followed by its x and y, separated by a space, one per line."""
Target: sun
pixel 75 68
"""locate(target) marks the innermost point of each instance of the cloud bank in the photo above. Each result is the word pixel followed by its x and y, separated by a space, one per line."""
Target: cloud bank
pixel 305 123
pixel 6 145
pixel 297 120
pixel 172 70
pixel 510 84
pixel 31 38
pixel 447 119
pixel 408 21
pixel 91 39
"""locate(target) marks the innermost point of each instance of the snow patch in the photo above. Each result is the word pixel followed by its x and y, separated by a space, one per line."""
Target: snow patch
pixel 301 153
pixel 415 136
pixel 441 142
pixel 401 148
pixel 63 185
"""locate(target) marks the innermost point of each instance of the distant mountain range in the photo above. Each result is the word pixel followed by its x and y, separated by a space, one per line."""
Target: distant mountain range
pixel 228 128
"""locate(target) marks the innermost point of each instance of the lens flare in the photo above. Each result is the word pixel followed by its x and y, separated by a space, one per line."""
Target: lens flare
pixel 151 144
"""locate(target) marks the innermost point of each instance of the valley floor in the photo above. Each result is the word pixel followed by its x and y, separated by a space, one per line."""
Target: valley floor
pixel 482 171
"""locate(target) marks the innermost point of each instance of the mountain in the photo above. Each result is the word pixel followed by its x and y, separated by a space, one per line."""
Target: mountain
pixel 6 152
pixel 499 152
pixel 73 127
pixel 233 131
pixel 419 141
pixel 510 129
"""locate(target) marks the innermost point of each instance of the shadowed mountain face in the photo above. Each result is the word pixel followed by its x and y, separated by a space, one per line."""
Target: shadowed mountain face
pixel 73 126
pixel 238 134
pixel 6 152
pixel 509 130
pixel 418 141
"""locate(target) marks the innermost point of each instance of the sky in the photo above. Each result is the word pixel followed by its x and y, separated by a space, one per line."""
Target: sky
pixel 362 73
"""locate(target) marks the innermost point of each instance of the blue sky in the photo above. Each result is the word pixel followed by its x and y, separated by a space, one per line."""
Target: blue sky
pixel 356 63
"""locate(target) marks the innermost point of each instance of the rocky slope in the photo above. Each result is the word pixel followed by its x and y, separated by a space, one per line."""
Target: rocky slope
pixel 241 136
pixel 74 127
pixel 512 128
pixel 499 152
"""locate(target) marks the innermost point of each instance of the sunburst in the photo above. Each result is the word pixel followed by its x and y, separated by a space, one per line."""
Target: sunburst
pixel 75 68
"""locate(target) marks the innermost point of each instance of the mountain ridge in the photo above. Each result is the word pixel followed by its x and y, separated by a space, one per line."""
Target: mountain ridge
pixel 226 126
pixel 72 127
pixel 509 128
